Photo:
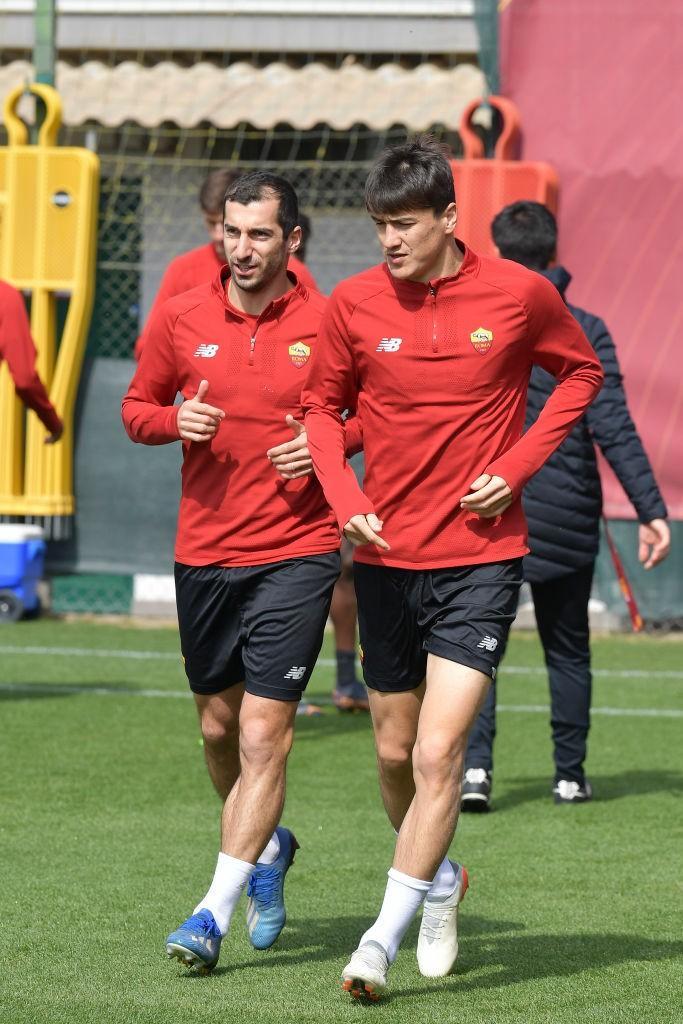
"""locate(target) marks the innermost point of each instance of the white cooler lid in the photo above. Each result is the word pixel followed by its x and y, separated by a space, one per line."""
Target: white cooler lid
pixel 14 533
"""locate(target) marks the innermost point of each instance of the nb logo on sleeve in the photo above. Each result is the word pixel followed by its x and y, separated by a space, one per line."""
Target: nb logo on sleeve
pixel 296 672
pixel 389 345
pixel 488 643
pixel 206 351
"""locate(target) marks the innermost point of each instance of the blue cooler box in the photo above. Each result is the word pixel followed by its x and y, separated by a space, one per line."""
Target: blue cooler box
pixel 22 556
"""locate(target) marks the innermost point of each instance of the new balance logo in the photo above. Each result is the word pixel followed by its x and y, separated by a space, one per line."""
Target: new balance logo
pixel 296 672
pixel 488 643
pixel 206 351
pixel 389 345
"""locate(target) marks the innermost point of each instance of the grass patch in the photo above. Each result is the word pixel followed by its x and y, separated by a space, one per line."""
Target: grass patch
pixel 109 831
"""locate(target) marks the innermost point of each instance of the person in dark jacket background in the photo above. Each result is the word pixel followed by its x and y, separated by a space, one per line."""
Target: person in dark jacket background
pixel 563 505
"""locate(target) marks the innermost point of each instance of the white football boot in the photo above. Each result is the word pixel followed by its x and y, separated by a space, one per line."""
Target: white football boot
pixel 437 945
pixel 365 975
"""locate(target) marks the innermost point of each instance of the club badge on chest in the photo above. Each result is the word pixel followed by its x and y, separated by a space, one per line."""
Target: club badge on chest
pixel 299 353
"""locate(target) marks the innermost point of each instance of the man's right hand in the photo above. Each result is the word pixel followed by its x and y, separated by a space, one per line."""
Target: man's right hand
pixel 654 542
pixel 365 530
pixel 54 437
pixel 197 421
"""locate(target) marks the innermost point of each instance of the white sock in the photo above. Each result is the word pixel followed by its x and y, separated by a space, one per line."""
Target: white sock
pixel 445 879
pixel 402 899
pixel 272 850
pixel 230 877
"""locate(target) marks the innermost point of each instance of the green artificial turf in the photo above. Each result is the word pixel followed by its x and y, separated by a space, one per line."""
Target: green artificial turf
pixel 109 830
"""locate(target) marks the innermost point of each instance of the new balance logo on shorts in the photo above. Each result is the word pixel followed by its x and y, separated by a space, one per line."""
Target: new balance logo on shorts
pixel 488 643
pixel 206 351
pixel 295 672
pixel 389 345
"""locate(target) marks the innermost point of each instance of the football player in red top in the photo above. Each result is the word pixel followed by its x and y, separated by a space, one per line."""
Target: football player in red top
pixel 257 551
pixel 434 349
pixel 197 267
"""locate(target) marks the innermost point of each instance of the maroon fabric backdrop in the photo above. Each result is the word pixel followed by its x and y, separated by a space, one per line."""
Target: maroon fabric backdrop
pixel 599 84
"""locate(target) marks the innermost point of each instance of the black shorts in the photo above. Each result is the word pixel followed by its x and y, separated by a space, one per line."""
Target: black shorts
pixel 262 625
pixel 463 614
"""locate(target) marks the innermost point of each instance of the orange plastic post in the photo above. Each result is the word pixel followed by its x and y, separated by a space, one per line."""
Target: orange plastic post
pixel 483 187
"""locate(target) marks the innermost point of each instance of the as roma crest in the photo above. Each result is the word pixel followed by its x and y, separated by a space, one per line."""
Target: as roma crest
pixel 481 340
pixel 299 353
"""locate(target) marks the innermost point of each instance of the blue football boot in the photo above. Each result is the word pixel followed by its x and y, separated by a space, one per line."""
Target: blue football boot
pixel 197 943
pixel 266 914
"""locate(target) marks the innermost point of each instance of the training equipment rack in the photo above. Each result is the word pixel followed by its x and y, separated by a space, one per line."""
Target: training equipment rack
pixel 48 225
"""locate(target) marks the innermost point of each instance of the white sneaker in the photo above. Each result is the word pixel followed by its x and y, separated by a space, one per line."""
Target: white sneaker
pixel 437 945
pixel 365 975
pixel 566 791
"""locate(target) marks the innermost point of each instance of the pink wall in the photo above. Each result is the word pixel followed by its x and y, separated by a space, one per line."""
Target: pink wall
pixel 599 84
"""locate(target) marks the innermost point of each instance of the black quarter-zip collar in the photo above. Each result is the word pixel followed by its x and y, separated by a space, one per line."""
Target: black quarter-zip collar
pixel 559 276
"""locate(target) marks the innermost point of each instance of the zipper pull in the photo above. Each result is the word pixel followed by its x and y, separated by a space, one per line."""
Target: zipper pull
pixel 432 292
pixel 252 346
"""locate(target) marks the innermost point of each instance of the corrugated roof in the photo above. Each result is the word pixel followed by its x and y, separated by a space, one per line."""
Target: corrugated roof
pixel 277 93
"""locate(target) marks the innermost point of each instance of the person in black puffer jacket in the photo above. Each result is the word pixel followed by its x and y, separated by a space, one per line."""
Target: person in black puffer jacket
pixel 563 505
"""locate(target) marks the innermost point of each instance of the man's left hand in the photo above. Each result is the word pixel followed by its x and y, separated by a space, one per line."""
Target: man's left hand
pixel 654 542
pixel 292 459
pixel 488 497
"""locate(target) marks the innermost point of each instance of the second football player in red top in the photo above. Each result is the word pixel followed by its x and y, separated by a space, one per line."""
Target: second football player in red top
pixel 434 348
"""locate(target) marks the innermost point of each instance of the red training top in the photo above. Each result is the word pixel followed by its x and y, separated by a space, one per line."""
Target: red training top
pixel 196 267
pixel 17 348
pixel 235 507
pixel 438 374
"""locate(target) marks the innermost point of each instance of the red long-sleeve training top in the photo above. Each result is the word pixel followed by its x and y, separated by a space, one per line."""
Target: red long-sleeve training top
pixel 235 508
pixel 19 352
pixel 438 374
pixel 198 266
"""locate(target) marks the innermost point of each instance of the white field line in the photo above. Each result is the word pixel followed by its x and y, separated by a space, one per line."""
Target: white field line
pixel 59 689
pixel 136 655
pixel 92 652
pixel 614 712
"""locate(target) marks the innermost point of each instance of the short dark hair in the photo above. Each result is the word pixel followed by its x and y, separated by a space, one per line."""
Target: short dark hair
pixel 257 185
pixel 413 176
pixel 214 187
pixel 526 232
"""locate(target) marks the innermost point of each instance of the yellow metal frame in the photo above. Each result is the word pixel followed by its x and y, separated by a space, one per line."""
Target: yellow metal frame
pixel 48 240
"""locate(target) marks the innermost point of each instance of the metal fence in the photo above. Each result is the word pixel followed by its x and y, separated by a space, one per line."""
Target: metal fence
pixel 149 211
pixel 148 214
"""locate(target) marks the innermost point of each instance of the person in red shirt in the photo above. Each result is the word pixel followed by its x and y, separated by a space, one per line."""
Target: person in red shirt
pixel 201 264
pixel 434 350
pixel 196 267
pixel 19 352
pixel 257 551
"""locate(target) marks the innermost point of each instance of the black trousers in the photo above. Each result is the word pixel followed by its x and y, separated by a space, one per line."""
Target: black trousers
pixel 561 607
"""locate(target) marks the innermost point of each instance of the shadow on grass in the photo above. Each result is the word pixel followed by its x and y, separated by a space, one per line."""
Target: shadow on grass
pixel 320 940
pixel 605 788
pixel 509 954
pixel 32 691
pixel 511 959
